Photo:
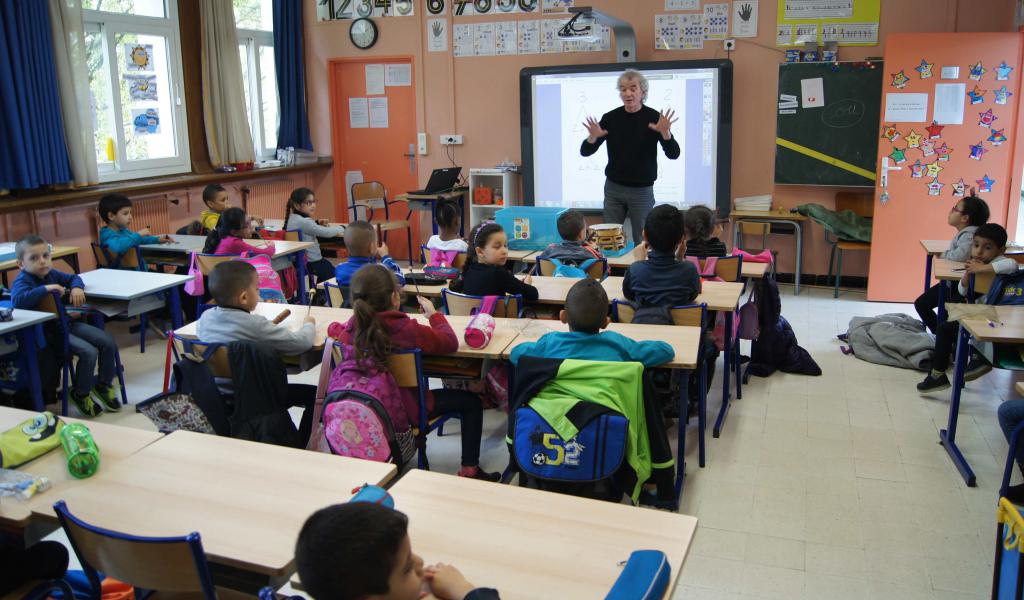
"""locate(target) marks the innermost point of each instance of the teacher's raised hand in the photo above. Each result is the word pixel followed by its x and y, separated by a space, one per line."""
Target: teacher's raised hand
pixel 594 131
pixel 664 125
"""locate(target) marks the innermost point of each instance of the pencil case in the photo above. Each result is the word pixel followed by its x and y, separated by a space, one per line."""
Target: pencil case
pixel 645 577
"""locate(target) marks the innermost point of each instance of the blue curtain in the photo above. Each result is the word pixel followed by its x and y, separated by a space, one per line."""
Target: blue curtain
pixel 32 149
pixel 291 75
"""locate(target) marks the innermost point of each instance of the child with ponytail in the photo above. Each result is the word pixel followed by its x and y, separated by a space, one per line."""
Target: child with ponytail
pixel 233 228
pixel 298 215
pixel 379 327
pixel 484 273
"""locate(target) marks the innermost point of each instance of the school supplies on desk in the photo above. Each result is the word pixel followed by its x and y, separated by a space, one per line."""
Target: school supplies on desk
pixel 80 450
pixel 30 439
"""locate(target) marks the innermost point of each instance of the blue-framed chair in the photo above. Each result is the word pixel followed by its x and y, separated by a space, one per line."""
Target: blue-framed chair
pixel 41 590
pixel 727 268
pixel 597 270
pixel 372 196
pixel 52 303
pixel 337 295
pixel 206 264
pixel 214 354
pixel 295 235
pixel 460 258
pixel 457 304
pixel 171 564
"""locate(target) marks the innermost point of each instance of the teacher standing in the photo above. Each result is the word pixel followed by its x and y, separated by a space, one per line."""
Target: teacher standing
pixel 634 132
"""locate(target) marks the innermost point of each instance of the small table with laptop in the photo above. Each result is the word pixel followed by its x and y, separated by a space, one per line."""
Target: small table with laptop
pixel 440 186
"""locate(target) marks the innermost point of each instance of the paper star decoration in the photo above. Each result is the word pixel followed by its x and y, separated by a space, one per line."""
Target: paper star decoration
pixel 925 69
pixel 997 137
pixel 977 150
pixel 898 155
pixel 935 187
pixel 928 147
pixel 934 130
pixel 977 71
pixel 943 151
pixel 985 184
pixel 1003 71
pixel 977 95
pixel 932 169
pixel 890 133
pixel 986 118
pixel 1002 95
pixel 900 80
pixel 916 169
pixel 913 139
pixel 959 187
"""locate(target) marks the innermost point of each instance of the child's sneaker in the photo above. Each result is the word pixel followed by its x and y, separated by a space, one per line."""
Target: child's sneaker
pixel 478 473
pixel 86 404
pixel 976 367
pixel 933 383
pixel 107 398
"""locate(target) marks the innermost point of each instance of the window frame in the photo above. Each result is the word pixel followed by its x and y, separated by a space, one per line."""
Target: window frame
pixel 109 25
pixel 253 40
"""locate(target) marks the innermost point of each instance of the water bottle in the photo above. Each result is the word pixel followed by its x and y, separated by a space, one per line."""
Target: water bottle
pixel 80 450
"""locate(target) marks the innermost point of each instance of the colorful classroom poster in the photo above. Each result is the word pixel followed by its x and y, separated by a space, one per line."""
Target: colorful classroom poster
pixel 330 10
pixel 437 35
pixel 462 40
pixel 679 32
pixel 146 121
pixel 471 8
pixel 505 38
pixel 483 39
pixel 138 57
pixel 846 22
pixel 529 37
pixel 716 21
pixel 141 86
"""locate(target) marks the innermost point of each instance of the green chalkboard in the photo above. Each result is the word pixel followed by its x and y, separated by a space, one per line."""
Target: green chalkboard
pixel 835 144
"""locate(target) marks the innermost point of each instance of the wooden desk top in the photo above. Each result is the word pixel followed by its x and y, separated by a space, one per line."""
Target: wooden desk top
pixel 943 269
pixel 279 223
pixel 935 246
pixel 247 500
pixel 186 244
pixel 719 295
pixel 1008 329
pixel 55 253
pixel 523 255
pixel 115 443
pixel 532 544
pixel 684 340
pixel 767 214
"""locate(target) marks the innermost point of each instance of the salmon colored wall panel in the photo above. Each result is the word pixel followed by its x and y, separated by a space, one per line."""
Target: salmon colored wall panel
pixel 912 214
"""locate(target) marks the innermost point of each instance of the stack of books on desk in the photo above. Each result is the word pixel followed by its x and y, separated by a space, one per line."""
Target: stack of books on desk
pixel 759 203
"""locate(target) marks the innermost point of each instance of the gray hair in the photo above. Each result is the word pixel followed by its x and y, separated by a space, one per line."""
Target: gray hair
pixel 638 76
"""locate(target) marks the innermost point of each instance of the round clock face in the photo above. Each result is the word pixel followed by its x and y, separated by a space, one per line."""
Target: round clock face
pixel 363 33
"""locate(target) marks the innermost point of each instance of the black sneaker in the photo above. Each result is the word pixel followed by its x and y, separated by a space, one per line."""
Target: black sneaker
pixel 933 384
pixel 976 367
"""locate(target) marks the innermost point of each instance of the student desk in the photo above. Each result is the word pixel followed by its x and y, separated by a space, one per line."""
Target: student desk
pixel 130 289
pixel 23 325
pixel 749 270
pixel 68 253
pixel 533 544
pixel 279 224
pixel 115 443
pixel 1009 329
pixel 429 202
pixel 932 248
pixel 247 500
pixel 945 271
pixel 784 217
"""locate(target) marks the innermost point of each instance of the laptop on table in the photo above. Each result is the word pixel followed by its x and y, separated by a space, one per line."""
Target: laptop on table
pixel 441 180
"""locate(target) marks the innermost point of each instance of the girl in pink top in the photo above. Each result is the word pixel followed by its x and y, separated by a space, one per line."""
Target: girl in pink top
pixel 230 235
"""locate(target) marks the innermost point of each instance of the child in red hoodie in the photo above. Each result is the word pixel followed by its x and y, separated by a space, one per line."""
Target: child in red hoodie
pixel 379 327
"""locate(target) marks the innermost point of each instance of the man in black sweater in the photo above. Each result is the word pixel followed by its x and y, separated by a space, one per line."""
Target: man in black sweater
pixel 633 132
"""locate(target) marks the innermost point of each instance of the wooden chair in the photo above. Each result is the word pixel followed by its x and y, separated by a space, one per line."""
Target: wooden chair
pixel 755 228
pixel 460 258
pixel 337 295
pixel 861 204
pixel 727 268
pixel 372 196
pixel 596 270
pixel 169 564
pixel 465 305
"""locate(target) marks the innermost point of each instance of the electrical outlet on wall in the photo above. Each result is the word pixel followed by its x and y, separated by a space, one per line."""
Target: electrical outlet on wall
pixel 451 139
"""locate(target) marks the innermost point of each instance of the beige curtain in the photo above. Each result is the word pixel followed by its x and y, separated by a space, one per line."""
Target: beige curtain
pixel 227 128
pixel 73 83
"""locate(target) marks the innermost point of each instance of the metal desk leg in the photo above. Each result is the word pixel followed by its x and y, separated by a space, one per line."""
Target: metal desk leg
pixel 300 271
pixel 928 272
pixel 681 437
pixel 27 341
pixel 947 437
pixel 175 298
pixel 725 377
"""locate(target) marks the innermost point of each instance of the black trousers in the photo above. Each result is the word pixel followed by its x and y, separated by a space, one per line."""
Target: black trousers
pixel 467 404
pixel 322 269
pixel 927 303
pixel 945 343
pixel 44 560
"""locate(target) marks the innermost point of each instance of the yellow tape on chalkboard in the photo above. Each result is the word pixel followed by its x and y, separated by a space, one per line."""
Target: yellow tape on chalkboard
pixel 835 162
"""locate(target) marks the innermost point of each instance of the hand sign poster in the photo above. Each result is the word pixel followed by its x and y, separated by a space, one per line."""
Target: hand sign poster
pixel 744 18
pixel 437 35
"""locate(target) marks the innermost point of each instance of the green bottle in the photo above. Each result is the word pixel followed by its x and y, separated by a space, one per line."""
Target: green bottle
pixel 80 450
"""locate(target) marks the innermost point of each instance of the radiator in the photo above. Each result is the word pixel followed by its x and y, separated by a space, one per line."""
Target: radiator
pixel 151 211
pixel 267 199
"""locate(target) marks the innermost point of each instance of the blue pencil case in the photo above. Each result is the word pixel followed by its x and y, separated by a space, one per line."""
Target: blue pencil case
pixel 645 577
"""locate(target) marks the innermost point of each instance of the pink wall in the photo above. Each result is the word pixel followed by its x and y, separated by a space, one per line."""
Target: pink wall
pixel 479 97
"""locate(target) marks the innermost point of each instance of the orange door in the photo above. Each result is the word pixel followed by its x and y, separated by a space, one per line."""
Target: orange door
pixel 384 154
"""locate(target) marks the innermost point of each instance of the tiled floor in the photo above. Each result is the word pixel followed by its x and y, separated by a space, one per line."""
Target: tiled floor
pixel 830 487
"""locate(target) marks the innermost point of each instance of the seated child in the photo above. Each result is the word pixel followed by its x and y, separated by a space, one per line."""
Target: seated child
pixel 298 215
pixel 371 542
pixel 702 233
pixel 987 250
pixel 966 216
pixel 216 199
pixel 90 344
pixel 586 312
pixel 379 327
pixel 662 279
pixel 449 221
pixel 231 233
pixel 116 212
pixel 484 273
pixel 574 248
pixel 361 242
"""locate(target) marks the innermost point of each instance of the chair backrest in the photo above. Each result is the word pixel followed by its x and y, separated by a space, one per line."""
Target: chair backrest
pixel 292 235
pixel 220 365
pixel 458 262
pixel 754 228
pixel 727 268
pixel 685 316
pixel 337 295
pixel 105 259
pixel 171 564
pixel 207 262
pixel 457 304
pixel 983 282
pixel 861 204
pixel 369 193
pixel 405 368
pixel 596 270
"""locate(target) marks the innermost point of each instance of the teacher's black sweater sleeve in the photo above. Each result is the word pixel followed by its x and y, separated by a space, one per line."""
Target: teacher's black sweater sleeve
pixel 632 146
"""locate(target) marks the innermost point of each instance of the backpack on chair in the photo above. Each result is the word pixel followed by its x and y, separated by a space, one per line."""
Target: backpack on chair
pixel 440 265
pixel 569 270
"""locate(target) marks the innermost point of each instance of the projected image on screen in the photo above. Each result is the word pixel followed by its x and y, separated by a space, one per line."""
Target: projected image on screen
pixel 562 102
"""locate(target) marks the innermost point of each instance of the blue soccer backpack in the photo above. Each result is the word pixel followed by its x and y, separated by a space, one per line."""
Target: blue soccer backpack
pixel 569 270
pixel 1007 289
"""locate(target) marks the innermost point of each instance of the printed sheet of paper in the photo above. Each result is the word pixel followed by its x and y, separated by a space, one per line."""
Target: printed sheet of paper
pixel 805 33
pixel 379 113
pixel 483 39
pixel 374 79
pixel 668 34
pixel 505 38
pixel 556 6
pixel 783 35
pixel 692 27
pixel 812 92
pixel 948 108
pixel 682 4
pixel 358 113
pixel 744 18
pixel 397 74
pixel 906 108
pixel 549 35
pixel 716 21
pixel 818 9
pixel 462 40
pixel 850 33
pixel 437 35
pixel 529 37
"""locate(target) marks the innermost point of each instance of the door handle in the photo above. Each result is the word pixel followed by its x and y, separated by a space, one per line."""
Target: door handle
pixel 411 155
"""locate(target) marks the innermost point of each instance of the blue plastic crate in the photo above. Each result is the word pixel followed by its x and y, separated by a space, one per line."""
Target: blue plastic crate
pixel 530 227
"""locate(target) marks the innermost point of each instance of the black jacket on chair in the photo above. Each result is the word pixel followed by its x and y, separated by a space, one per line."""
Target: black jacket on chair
pixel 261 396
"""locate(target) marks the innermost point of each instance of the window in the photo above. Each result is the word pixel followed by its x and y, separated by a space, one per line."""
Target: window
pixel 254 20
pixel 134 69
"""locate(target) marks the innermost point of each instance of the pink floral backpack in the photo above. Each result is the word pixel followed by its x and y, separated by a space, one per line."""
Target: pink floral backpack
pixel 359 412
pixel 708 274
pixel 270 281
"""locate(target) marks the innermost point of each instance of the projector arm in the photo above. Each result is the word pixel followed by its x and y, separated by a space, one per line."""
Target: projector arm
pixel 625 39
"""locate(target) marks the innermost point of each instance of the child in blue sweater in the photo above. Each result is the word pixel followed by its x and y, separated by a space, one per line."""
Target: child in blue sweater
pixel 90 344
pixel 586 313
pixel 116 212
pixel 361 242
